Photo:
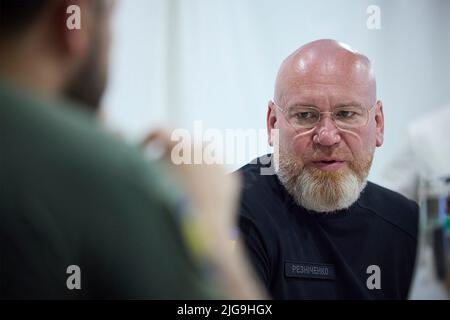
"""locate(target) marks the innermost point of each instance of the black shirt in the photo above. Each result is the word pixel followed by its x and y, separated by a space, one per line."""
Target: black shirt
pixel 364 252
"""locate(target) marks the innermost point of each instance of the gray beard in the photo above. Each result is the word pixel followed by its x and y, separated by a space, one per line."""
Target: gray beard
pixel 319 191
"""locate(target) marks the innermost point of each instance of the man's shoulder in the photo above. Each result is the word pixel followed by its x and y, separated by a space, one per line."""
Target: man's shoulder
pixel 56 129
pixel 392 207
pixel 261 193
pixel 257 173
pixel 58 139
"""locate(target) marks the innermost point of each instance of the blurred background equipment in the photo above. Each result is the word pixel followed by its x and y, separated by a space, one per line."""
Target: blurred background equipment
pixel 432 275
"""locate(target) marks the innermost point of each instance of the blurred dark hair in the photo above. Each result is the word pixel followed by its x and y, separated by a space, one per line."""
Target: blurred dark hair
pixel 17 15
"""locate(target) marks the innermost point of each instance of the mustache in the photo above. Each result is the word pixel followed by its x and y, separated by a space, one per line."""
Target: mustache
pixel 319 156
pixel 319 153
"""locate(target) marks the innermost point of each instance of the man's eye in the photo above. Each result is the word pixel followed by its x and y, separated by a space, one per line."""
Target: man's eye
pixel 343 114
pixel 306 115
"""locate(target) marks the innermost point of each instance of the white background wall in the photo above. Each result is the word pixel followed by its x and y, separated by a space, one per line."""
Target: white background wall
pixel 177 61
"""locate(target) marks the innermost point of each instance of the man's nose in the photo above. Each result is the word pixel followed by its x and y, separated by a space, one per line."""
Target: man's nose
pixel 326 133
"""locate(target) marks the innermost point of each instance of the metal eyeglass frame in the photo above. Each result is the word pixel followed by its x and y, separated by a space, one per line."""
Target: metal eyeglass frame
pixel 368 110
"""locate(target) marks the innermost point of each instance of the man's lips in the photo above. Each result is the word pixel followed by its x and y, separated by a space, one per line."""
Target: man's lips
pixel 328 164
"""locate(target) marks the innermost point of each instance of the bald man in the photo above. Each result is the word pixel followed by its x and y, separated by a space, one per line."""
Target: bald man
pixel 316 228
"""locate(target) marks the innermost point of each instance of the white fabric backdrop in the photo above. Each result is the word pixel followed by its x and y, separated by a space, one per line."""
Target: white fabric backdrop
pixel 177 61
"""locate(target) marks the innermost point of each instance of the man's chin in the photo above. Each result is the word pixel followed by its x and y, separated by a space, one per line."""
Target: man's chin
pixel 328 191
pixel 327 177
pixel 323 191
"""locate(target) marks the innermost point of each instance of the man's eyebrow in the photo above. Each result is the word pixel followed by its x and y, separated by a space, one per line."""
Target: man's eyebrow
pixel 349 103
pixel 339 105
pixel 299 104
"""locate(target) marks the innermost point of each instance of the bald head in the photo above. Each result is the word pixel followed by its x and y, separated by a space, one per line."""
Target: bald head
pixel 328 63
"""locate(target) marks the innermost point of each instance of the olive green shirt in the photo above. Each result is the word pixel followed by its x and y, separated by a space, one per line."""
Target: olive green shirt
pixel 70 194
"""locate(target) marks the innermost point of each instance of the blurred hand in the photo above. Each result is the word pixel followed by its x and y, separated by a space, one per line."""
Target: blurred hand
pixel 214 197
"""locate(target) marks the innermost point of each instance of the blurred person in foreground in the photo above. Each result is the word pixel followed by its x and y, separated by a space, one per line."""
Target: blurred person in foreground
pixel 316 228
pixel 83 216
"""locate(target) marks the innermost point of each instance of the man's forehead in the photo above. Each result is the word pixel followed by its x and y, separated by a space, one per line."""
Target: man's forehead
pixel 324 101
pixel 328 77
pixel 328 69
pixel 326 92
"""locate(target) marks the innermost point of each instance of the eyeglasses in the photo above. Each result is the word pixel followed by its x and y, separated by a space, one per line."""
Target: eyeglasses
pixel 345 117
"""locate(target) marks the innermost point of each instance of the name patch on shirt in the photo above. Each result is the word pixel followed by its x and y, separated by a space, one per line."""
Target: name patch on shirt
pixel 309 270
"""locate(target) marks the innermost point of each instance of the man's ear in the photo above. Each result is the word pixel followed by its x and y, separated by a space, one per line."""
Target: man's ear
pixel 379 122
pixel 271 120
pixel 76 23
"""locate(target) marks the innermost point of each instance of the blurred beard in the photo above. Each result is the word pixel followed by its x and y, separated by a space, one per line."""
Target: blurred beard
pixel 87 86
pixel 323 191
